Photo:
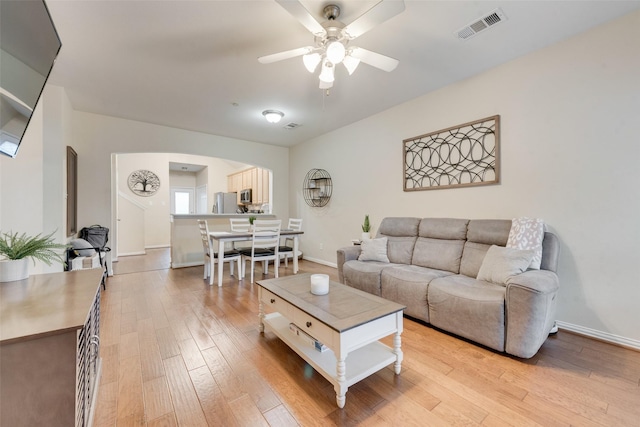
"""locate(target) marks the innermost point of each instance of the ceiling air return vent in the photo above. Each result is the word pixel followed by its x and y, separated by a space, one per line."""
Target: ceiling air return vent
pixel 291 125
pixel 494 17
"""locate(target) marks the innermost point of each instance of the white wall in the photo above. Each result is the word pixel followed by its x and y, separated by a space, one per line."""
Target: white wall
pixel 182 179
pixel 569 149
pixel 101 136
pixel 157 208
pixel 33 185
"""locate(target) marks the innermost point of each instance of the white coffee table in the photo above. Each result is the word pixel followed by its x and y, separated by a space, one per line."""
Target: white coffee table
pixel 346 320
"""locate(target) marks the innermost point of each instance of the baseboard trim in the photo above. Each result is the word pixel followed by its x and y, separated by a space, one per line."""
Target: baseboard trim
pixel 132 253
pixel 157 246
pixel 600 335
pixel 186 264
pixel 321 261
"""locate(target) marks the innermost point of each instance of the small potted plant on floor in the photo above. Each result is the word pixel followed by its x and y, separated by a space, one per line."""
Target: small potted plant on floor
pixel 366 228
pixel 15 250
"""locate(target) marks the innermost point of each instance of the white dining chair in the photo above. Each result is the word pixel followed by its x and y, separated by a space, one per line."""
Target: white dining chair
pixel 286 250
pixel 264 246
pixel 240 225
pixel 211 257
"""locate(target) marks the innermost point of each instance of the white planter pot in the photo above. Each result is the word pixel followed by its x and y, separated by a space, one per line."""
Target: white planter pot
pixel 365 236
pixel 11 270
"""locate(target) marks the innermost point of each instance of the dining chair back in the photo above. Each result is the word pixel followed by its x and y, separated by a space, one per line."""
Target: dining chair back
pixel 286 250
pixel 241 225
pixel 264 246
pixel 211 257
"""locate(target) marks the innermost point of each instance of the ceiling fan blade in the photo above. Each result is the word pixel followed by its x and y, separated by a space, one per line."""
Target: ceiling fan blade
pixel 374 59
pixel 379 13
pixel 295 8
pixel 280 56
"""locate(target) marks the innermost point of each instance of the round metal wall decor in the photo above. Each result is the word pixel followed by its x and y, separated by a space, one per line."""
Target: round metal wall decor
pixel 317 188
pixel 143 182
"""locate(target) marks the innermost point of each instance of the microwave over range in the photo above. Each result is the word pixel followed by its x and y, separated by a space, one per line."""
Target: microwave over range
pixel 245 196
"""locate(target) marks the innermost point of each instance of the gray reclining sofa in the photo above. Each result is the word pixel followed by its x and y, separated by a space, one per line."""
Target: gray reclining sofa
pixel 432 269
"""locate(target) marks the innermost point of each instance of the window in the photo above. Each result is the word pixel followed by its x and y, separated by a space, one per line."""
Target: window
pixel 182 201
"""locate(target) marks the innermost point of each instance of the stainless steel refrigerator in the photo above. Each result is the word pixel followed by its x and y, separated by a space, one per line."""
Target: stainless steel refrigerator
pixel 225 203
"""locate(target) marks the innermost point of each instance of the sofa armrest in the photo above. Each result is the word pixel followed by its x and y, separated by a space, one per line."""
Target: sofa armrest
pixel 530 301
pixel 540 281
pixel 345 254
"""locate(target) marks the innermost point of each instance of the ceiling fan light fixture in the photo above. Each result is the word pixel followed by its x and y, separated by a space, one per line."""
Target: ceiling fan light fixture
pixel 325 85
pixel 273 116
pixel 351 63
pixel 336 52
pixel 332 39
pixel 311 61
pixel 327 74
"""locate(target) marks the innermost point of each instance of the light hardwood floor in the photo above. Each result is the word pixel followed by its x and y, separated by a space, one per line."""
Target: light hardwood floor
pixel 155 259
pixel 177 352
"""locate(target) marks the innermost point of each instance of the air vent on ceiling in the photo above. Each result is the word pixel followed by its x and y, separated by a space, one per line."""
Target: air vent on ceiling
pixel 291 125
pixel 494 17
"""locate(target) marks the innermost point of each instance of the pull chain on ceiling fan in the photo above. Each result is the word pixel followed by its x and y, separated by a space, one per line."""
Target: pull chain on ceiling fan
pixel 332 39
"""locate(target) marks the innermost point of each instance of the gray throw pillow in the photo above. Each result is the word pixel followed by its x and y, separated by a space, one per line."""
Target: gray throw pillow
pixel 82 247
pixel 374 250
pixel 501 263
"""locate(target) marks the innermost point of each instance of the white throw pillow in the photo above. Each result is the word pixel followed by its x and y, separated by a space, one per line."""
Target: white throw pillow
pixel 500 264
pixel 527 233
pixel 374 250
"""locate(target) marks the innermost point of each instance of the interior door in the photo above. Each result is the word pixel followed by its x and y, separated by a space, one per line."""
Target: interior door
pixel 201 198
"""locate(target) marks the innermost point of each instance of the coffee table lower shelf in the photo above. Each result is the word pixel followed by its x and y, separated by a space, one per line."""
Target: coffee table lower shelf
pixel 359 364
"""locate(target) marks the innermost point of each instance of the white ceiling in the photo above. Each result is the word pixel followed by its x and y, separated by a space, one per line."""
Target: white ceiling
pixel 193 64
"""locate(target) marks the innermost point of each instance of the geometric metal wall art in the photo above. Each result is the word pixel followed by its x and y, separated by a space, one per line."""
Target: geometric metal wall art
pixel 460 156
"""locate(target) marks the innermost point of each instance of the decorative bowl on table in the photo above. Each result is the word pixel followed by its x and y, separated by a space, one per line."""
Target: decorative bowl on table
pixel 319 284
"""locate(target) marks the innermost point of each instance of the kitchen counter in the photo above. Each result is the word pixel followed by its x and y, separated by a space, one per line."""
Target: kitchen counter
pixel 186 244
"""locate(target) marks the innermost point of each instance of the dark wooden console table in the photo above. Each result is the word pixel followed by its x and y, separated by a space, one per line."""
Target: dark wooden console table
pixel 50 349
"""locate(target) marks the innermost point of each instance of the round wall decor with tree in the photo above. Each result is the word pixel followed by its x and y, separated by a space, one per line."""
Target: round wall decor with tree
pixel 143 182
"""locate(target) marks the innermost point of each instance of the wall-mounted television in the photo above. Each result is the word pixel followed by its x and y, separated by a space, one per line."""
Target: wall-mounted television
pixel 29 45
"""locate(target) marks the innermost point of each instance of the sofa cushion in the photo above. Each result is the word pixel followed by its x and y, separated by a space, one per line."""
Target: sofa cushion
pixel 399 226
pixel 364 275
pixel 407 285
pixel 489 231
pixel 400 249
pixel 401 234
pixel 500 264
pixel 472 257
pixel 374 250
pixel 469 308
pixel 437 253
pixel 443 228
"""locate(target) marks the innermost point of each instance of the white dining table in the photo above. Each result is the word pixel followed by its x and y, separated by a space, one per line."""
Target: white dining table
pixel 223 237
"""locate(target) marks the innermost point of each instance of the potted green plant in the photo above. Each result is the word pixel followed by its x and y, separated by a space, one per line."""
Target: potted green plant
pixel 15 249
pixel 366 228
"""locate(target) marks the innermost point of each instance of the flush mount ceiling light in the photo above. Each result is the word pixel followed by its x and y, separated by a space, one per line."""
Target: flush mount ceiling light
pixel 332 40
pixel 273 116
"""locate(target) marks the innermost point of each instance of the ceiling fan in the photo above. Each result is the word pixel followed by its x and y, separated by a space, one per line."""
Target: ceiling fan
pixel 332 39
